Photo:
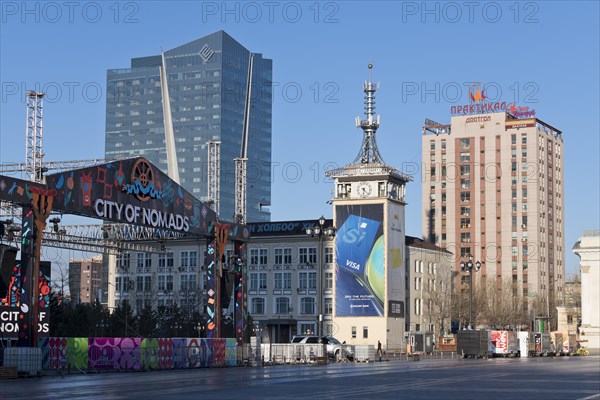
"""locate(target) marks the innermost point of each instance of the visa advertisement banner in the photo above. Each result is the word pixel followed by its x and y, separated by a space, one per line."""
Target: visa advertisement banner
pixel 360 266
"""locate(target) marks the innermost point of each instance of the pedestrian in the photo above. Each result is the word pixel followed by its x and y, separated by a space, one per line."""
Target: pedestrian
pixel 379 351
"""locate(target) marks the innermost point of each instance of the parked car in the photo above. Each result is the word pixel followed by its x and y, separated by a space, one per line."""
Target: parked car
pixel 335 349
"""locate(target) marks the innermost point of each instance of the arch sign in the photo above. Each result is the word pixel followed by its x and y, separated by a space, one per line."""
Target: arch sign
pixel 131 191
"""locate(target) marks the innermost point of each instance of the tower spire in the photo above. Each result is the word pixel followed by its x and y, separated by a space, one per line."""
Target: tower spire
pixel 369 154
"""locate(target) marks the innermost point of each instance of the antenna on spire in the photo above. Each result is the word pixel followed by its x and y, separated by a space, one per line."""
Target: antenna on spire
pixel 368 153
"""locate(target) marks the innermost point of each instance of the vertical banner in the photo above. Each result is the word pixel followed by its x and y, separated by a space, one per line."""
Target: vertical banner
pixel 360 261
pixel 241 295
pixel 212 276
pixel 25 297
pixel 396 239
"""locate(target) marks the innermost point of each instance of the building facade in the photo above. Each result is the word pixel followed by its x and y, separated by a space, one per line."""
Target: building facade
pixel 84 280
pixel 429 271
pixel 588 250
pixel 569 313
pixel 290 282
pixel 176 276
pixel 207 81
pixel 493 190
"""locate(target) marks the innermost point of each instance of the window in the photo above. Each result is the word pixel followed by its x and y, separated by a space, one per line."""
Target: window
pixel 353 332
pixel 417 306
pixel 465 143
pixel 465 157
pixel 287 280
pixel 162 282
pixel 139 283
pixel 307 305
pixel 307 255
pixel 443 144
pixel 465 196
pixel 465 183
pixel 169 282
pixel 278 258
pixel 465 211
pixel 262 281
pixel 258 306
pixel 465 237
pixel 432 145
pixel 144 261
pixel 418 266
pixel 283 256
pixel 513 139
pixel 365 332
pixel 124 261
pixel 253 281
pixel 188 258
pixel 165 259
pixel 465 169
pixel 523 139
pixel 328 306
pixel 258 256
pixel 308 280
pixel 282 305
pixel 278 280
pixel 417 283
pixel 329 280
pixel 183 282
pixel 328 255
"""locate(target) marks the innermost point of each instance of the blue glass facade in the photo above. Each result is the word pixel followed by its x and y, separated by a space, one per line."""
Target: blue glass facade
pixel 207 90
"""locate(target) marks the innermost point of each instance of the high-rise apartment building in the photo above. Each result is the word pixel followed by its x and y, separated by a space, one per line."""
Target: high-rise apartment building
pixel 493 190
pixel 207 81
pixel 84 279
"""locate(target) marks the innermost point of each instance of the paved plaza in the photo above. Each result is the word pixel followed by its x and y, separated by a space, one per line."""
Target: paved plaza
pixel 576 378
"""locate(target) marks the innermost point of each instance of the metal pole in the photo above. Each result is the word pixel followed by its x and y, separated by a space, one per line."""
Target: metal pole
pixel 320 292
pixel 470 297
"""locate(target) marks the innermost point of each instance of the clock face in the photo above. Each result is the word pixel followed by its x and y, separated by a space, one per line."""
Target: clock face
pixel 364 189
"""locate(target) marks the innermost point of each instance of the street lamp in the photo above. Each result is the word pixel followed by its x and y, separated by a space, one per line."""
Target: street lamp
pixel 321 233
pixel 468 266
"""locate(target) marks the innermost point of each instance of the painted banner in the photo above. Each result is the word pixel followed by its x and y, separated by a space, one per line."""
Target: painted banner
pixel 13 308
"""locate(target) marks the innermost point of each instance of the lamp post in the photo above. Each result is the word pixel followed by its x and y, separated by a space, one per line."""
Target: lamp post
pixel 321 233
pixel 468 266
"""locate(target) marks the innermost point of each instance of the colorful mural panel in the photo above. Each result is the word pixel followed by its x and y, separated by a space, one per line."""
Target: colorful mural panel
pixel 149 353
pixel 117 354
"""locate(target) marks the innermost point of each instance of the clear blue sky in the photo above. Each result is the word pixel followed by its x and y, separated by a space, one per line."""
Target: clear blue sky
pixel 542 54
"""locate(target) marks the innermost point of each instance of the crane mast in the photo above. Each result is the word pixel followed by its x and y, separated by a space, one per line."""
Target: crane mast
pixel 242 161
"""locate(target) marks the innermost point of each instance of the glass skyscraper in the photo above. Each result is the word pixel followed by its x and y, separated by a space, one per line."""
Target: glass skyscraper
pixel 207 83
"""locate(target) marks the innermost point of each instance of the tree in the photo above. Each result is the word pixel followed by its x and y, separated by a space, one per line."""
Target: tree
pixel 440 300
pixel 503 305
pixel 147 323
pixel 122 321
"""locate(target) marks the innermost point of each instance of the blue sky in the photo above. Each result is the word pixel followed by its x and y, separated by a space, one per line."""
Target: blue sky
pixel 541 54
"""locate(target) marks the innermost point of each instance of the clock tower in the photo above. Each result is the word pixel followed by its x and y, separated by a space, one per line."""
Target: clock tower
pixel 370 247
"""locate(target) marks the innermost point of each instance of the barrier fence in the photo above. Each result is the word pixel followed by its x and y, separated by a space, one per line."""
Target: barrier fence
pixel 139 354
